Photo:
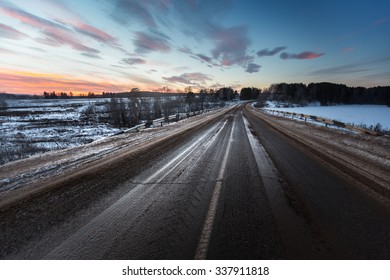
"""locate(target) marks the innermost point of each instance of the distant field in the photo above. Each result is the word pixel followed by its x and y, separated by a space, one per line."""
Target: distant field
pixel 31 126
pixel 361 115
pixel 37 125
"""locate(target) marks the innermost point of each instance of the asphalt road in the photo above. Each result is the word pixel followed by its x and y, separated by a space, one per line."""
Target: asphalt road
pixel 348 222
pixel 234 188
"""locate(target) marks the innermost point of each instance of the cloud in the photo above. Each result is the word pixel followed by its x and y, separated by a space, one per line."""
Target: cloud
pixel 200 18
pixel 6 51
pixel 28 18
pixel 125 10
pixel 195 79
pixel 204 58
pixel 60 37
pixel 201 21
pixel 98 35
pixel 231 46
pixel 197 19
pixel 217 85
pixel 181 68
pixel 200 57
pixel 143 80
pixel 302 55
pixel 91 55
pixel 266 52
pixel 73 20
pixel 133 61
pixel 367 65
pixel 151 42
pixel 185 50
pixel 342 69
pixel 253 68
pixel 382 20
pixel 55 33
pixel 10 32
pixel 95 33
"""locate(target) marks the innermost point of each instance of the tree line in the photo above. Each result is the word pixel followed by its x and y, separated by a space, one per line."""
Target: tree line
pixel 298 93
pixel 127 109
pixel 328 93
pixel 131 111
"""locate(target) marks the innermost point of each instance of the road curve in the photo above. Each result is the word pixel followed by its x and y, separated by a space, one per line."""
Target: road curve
pixel 231 188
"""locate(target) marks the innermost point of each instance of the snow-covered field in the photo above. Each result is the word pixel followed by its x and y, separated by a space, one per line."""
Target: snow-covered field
pixel 34 126
pixel 359 115
pixel 37 125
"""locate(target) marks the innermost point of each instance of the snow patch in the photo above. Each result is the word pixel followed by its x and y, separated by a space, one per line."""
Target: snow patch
pixel 366 115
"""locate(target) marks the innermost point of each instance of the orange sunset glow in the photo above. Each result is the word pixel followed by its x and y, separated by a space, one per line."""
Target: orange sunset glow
pixel 29 82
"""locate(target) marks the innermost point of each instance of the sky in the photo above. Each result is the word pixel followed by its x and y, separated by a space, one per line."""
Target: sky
pixel 99 46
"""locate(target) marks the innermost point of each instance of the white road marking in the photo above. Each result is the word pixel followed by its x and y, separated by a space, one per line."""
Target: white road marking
pixel 204 241
pixel 96 236
pixel 189 150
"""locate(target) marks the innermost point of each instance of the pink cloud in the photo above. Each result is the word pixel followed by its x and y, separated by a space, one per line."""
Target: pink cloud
pixel 75 22
pixel 55 34
pixel 94 33
pixel 226 62
pixel 302 55
pixel 98 35
pixel 10 33
pixel 308 55
pixel 55 37
pixel 29 19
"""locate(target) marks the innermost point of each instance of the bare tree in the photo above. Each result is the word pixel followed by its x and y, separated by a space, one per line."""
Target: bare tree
pixel 157 107
pixel 3 104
